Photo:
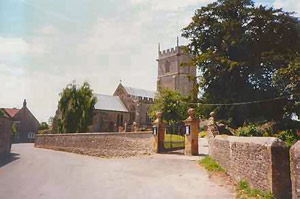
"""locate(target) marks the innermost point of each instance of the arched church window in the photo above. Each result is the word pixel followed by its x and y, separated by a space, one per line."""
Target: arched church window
pixel 167 66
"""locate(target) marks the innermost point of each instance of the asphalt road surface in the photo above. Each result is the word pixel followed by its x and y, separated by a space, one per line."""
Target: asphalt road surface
pixel 38 173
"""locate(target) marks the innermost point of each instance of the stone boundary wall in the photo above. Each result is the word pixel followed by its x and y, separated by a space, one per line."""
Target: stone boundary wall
pixel 295 170
pixel 261 161
pixel 98 144
pixel 5 136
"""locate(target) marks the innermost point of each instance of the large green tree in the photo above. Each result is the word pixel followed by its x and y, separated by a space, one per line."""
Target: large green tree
pixel 239 49
pixel 75 108
pixel 171 104
pixel 288 82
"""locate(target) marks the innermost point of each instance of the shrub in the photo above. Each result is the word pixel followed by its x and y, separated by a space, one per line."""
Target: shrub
pixel 249 131
pixel 290 137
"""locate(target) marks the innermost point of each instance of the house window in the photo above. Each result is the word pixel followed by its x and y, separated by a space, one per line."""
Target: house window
pixel 167 67
pixel 31 135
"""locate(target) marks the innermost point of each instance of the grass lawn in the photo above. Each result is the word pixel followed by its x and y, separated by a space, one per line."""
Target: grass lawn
pixel 173 141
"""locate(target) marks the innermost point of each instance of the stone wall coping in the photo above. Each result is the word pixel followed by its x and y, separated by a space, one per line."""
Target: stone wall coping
pixel 265 141
pixel 296 147
pixel 93 134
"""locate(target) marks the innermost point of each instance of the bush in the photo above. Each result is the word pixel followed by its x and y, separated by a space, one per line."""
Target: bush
pixel 249 131
pixel 288 136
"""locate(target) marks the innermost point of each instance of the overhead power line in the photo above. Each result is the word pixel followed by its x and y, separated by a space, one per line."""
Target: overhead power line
pixel 245 103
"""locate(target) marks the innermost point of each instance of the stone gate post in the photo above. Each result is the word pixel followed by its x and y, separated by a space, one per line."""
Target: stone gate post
pixel 158 134
pixel 191 136
pixel 295 170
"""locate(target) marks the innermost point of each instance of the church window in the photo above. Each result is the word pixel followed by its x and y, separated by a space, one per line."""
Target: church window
pixel 167 66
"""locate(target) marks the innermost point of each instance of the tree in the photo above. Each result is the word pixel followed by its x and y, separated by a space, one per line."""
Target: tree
pixel 171 104
pixel 50 120
pixel 1 113
pixel 239 48
pixel 288 82
pixel 76 107
pixel 43 126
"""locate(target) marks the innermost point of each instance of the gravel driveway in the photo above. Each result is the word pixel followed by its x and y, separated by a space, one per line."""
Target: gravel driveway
pixel 40 173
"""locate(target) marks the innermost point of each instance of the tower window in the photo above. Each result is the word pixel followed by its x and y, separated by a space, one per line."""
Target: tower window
pixel 167 66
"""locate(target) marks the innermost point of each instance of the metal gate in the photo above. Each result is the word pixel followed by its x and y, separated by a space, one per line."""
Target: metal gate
pixel 174 138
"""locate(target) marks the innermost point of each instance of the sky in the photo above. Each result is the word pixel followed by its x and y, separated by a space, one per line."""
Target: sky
pixel 46 44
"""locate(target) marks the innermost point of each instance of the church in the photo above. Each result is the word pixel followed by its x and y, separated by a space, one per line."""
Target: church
pixel 126 110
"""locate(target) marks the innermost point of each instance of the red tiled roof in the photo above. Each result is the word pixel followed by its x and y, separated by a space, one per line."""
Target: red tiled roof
pixel 11 111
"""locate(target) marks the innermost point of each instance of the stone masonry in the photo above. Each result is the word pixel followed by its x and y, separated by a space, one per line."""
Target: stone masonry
pixel 5 136
pixel 171 72
pixel 262 161
pixel 98 144
pixel 295 170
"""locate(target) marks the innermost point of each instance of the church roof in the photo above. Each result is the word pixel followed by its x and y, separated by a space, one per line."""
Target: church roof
pixel 109 103
pixel 139 92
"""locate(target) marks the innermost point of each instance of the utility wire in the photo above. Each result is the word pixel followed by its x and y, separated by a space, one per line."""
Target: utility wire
pixel 245 103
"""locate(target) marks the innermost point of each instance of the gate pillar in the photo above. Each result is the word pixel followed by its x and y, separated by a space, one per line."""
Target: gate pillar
pixel 158 134
pixel 191 135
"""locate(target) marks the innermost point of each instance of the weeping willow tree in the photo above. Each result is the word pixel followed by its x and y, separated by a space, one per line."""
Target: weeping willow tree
pixel 76 106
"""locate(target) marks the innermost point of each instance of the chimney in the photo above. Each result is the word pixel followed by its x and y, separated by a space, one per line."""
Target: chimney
pixel 24 103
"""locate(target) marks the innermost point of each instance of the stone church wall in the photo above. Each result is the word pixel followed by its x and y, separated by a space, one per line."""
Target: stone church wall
pixel 172 74
pixel 106 121
pixel 263 162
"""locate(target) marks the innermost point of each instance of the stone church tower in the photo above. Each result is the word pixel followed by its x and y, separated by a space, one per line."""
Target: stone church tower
pixel 171 73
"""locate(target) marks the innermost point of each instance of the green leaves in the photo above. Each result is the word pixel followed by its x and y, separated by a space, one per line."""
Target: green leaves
pixel 43 126
pixel 239 49
pixel 171 104
pixel 1 113
pixel 76 107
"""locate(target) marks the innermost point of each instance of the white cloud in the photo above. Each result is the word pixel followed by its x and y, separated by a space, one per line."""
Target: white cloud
pixel 18 46
pixel 170 5
pixel 288 5
pixel 48 30
pixel 13 46
pixel 123 46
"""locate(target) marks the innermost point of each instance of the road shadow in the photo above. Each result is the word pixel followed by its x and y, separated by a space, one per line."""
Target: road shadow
pixel 9 158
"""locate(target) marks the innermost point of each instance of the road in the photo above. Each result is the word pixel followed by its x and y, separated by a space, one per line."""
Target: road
pixel 39 173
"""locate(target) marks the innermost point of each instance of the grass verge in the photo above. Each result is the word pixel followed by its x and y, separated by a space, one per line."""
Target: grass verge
pixel 243 190
pixel 210 165
pixel 246 192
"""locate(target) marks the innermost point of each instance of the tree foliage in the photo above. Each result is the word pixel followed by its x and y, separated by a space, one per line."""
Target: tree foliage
pixel 43 126
pixel 76 107
pixel 288 82
pixel 239 49
pixel 171 104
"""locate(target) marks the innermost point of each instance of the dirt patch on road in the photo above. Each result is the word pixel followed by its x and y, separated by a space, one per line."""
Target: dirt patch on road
pixel 221 179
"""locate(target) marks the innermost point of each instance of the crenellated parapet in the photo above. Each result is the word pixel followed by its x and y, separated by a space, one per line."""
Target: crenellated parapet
pixel 170 52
